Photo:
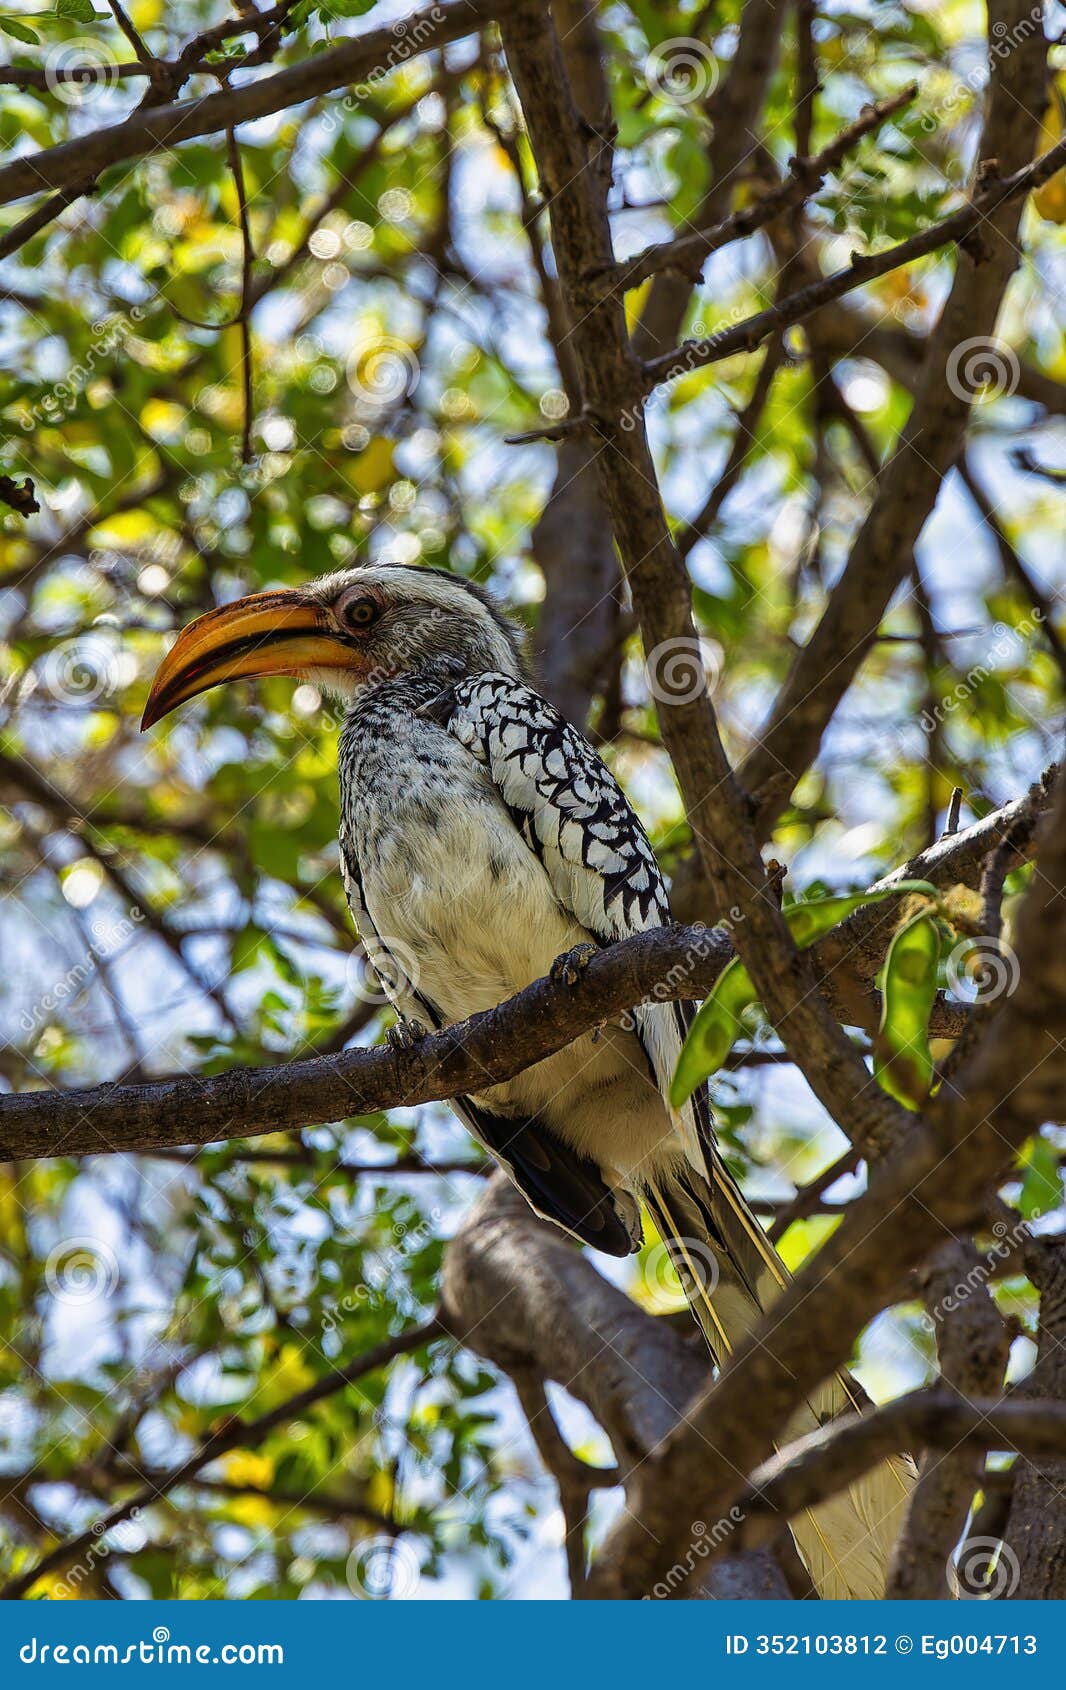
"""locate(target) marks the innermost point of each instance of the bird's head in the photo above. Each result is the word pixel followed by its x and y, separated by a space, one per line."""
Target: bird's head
pixel 344 632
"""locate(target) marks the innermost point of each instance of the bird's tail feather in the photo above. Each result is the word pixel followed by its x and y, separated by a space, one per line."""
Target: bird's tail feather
pixel 732 1274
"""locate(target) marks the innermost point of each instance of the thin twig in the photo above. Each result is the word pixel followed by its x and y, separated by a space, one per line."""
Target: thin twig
pixel 247 260
pixel 232 1434
pixel 863 268
pixel 688 253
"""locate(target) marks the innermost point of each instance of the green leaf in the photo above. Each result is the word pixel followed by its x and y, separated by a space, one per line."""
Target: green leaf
pixel 1042 1185
pixel 718 1025
pixel 247 948
pixel 714 1031
pixel 82 10
pixel 903 1061
pixel 20 31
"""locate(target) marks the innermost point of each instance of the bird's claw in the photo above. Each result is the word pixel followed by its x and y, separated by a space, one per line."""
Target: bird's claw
pixel 567 969
pixel 405 1034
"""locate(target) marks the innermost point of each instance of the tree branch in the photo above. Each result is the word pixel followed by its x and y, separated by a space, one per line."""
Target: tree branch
pixel 688 253
pixel 362 59
pixel 233 1434
pixel 972 1347
pixel 933 1185
pixel 932 437
pixel 610 378
pixel 517 1291
pixel 863 268
pixel 665 964
pixel 828 1461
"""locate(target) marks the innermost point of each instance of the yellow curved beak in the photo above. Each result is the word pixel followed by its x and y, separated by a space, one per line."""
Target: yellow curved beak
pixel 275 633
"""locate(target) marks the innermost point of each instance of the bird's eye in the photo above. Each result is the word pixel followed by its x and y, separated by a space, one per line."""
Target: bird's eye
pixel 359 614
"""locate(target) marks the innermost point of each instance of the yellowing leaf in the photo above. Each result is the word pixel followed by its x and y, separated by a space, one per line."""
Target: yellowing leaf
pixel 231 344
pixel 248 1467
pixel 287 1375
pixel 635 304
pixel 255 1512
pixel 163 420
pixel 803 1238
pixel 54 1587
pixel 372 470
pixel 1050 198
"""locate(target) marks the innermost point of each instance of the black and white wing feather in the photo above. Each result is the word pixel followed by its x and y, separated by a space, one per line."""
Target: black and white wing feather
pixel 573 814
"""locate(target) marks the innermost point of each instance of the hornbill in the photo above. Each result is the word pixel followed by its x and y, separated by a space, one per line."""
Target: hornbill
pixel 482 840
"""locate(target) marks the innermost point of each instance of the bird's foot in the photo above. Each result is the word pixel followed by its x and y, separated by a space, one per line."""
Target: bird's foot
pixel 405 1035
pixel 567 969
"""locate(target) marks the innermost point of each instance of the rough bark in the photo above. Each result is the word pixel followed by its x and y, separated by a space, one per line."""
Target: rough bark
pixel 611 380
pixel 1035 1546
pixel 972 1345
pixel 934 1186
pixel 828 1461
pixel 519 1293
